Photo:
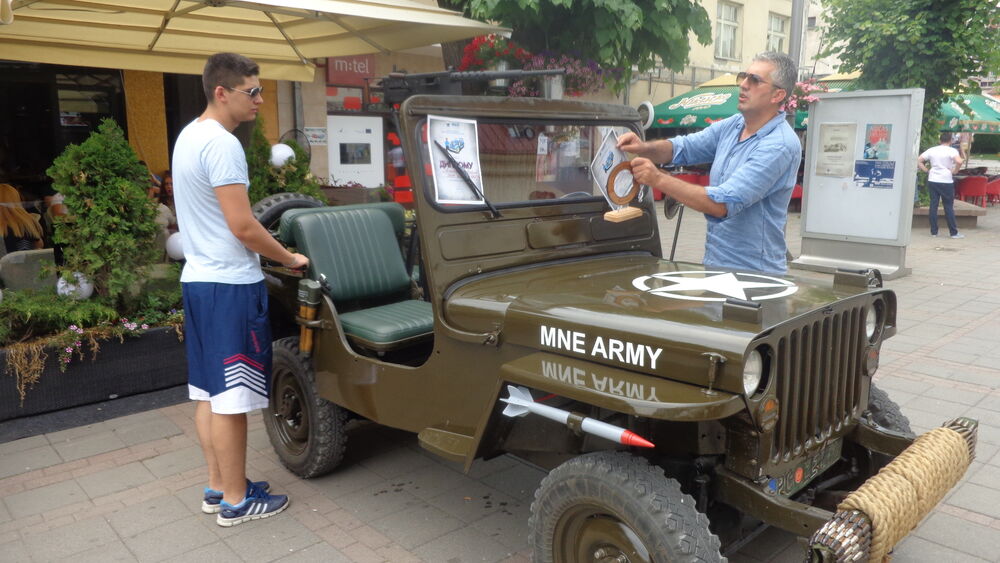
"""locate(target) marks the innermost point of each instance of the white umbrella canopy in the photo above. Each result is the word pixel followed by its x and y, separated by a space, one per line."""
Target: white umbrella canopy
pixel 178 35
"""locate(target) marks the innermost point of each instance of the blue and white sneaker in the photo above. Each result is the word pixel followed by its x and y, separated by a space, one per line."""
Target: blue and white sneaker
pixel 257 504
pixel 213 498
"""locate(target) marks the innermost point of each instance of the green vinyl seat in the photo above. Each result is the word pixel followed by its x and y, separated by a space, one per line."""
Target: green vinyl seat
pixel 356 249
pixel 393 210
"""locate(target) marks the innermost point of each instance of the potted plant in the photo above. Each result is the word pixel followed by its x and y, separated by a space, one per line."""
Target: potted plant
pixel 293 176
pixel 581 78
pixel 108 239
pixel 493 52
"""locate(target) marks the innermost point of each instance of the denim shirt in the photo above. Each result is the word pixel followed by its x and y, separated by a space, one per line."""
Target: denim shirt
pixel 754 178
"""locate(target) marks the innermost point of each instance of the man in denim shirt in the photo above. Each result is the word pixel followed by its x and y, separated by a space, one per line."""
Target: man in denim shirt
pixel 755 157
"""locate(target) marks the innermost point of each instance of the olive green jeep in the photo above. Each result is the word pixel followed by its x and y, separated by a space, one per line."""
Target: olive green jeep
pixel 679 409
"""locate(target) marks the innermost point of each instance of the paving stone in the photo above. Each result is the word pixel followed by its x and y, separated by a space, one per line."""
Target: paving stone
pixel 138 518
pixel 270 538
pixel 147 431
pixel 374 502
pixel 345 481
pixel 23 461
pixel 508 526
pixel 60 543
pixel 217 552
pixel 4 513
pixel 44 499
pixel 472 502
pixel 113 551
pixel 115 479
pixel 175 462
pixel 417 526
pixel 977 498
pixel 169 540
pixel 15 552
pixel 395 463
pixel 315 553
pixel 966 538
pixel 466 545
pixel 519 481
pixel 770 542
pixel 88 445
pixel 71 434
pixel 933 404
pixel 432 480
pixel 23 444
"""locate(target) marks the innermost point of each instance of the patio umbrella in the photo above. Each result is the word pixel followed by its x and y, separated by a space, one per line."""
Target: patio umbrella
pixel 710 102
pixel 984 118
pixel 178 35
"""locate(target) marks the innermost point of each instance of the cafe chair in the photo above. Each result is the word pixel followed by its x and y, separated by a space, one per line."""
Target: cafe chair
pixel 972 187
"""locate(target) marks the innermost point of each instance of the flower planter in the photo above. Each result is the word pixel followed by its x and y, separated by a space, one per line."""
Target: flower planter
pixel 151 361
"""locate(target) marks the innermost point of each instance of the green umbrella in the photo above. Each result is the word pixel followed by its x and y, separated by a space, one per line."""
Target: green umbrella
pixel 704 106
pixel 983 115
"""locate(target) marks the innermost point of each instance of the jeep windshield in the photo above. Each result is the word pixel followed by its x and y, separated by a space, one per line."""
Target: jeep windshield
pixel 511 162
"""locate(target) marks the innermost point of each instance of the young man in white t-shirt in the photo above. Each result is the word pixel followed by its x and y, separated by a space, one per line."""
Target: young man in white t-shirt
pixel 945 161
pixel 227 335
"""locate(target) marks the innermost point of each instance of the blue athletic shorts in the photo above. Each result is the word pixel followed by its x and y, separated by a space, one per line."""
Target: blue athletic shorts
pixel 227 336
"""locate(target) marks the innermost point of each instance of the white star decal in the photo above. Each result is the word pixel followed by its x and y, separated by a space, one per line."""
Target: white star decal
pixel 722 284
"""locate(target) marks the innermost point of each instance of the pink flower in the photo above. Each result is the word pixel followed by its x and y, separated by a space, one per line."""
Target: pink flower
pixel 145 326
pixel 69 350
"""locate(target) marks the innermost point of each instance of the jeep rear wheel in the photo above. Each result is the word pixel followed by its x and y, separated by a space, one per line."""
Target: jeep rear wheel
pixel 306 431
pixel 611 507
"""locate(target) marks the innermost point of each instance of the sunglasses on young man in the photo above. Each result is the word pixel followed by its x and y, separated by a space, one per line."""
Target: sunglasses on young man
pixel 253 92
pixel 754 79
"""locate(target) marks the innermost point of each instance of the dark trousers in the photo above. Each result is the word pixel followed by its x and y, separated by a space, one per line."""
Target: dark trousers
pixel 946 192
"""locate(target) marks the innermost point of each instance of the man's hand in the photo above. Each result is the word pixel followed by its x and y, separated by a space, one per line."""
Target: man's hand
pixel 645 172
pixel 299 262
pixel 630 142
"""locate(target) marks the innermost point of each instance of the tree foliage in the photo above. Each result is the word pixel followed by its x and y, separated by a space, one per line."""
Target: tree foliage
pixel 110 231
pixel 615 34
pixel 929 44
pixel 266 179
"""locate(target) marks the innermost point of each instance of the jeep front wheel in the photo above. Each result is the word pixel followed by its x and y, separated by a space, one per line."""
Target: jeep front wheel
pixel 306 431
pixel 609 507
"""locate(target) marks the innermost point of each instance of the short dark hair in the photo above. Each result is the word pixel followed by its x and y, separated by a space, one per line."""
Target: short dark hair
pixel 944 138
pixel 227 70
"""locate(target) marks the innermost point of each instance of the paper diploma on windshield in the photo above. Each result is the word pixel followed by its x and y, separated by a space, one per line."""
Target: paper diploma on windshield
pixel 608 156
pixel 460 138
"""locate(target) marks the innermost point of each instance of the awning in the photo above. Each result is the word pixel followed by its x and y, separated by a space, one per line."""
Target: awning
pixel 985 117
pixel 178 35
pixel 704 106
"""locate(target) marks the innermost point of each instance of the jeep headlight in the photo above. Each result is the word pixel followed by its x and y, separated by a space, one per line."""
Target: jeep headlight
pixel 873 318
pixel 753 370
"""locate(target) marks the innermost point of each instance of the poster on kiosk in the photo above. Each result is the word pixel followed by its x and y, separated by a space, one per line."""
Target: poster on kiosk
pixel 861 161
pixel 355 149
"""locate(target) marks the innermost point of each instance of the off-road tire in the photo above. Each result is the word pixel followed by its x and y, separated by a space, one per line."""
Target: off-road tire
pixel 886 413
pixel 617 486
pixel 318 446
pixel 268 210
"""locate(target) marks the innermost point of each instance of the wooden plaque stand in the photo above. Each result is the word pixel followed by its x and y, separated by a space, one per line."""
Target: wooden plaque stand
pixel 625 213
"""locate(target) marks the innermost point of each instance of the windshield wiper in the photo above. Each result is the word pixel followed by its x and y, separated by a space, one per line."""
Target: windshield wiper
pixel 468 181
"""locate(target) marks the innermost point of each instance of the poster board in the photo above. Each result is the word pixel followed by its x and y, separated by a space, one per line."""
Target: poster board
pixel 859 181
pixel 356 153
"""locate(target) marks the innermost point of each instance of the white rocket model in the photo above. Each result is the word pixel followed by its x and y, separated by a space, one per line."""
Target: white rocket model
pixel 520 403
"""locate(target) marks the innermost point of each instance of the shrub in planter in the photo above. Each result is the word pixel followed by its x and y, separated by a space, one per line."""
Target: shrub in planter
pixel 265 179
pixel 109 233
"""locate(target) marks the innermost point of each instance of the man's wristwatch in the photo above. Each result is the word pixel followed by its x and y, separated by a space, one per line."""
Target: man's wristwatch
pixel 290 264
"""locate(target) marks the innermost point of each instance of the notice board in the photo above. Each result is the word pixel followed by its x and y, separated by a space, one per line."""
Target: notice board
pixel 861 152
pixel 858 185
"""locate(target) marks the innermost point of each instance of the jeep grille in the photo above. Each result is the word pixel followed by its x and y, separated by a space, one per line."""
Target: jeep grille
pixel 819 367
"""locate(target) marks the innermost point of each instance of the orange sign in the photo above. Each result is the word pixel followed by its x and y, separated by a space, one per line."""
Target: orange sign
pixel 350 71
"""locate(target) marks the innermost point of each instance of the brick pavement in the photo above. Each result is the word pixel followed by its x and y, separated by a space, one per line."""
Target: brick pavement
pixel 129 489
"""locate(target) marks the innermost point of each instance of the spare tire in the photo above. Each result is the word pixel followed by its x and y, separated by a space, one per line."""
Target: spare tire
pixel 268 210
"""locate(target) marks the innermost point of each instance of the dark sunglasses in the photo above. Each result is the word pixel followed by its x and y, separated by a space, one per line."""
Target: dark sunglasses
pixel 754 79
pixel 253 92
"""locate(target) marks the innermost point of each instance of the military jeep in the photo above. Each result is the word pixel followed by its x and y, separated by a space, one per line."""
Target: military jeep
pixel 679 409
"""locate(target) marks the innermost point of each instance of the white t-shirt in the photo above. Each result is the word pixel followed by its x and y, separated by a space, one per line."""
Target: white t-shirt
pixel 942 159
pixel 206 156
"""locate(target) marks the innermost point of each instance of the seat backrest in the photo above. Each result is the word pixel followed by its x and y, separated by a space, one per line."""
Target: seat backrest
pixel 394 211
pixel 355 248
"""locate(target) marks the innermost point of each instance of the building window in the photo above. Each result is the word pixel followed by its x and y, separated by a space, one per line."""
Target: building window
pixel 727 31
pixel 811 22
pixel 777 33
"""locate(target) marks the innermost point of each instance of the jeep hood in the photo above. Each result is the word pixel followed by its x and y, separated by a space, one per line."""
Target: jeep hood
pixel 634 311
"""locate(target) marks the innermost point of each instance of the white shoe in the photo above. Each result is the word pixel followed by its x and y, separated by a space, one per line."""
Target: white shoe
pixel 958 235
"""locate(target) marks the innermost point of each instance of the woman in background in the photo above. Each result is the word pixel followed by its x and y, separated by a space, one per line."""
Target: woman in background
pixel 21 230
